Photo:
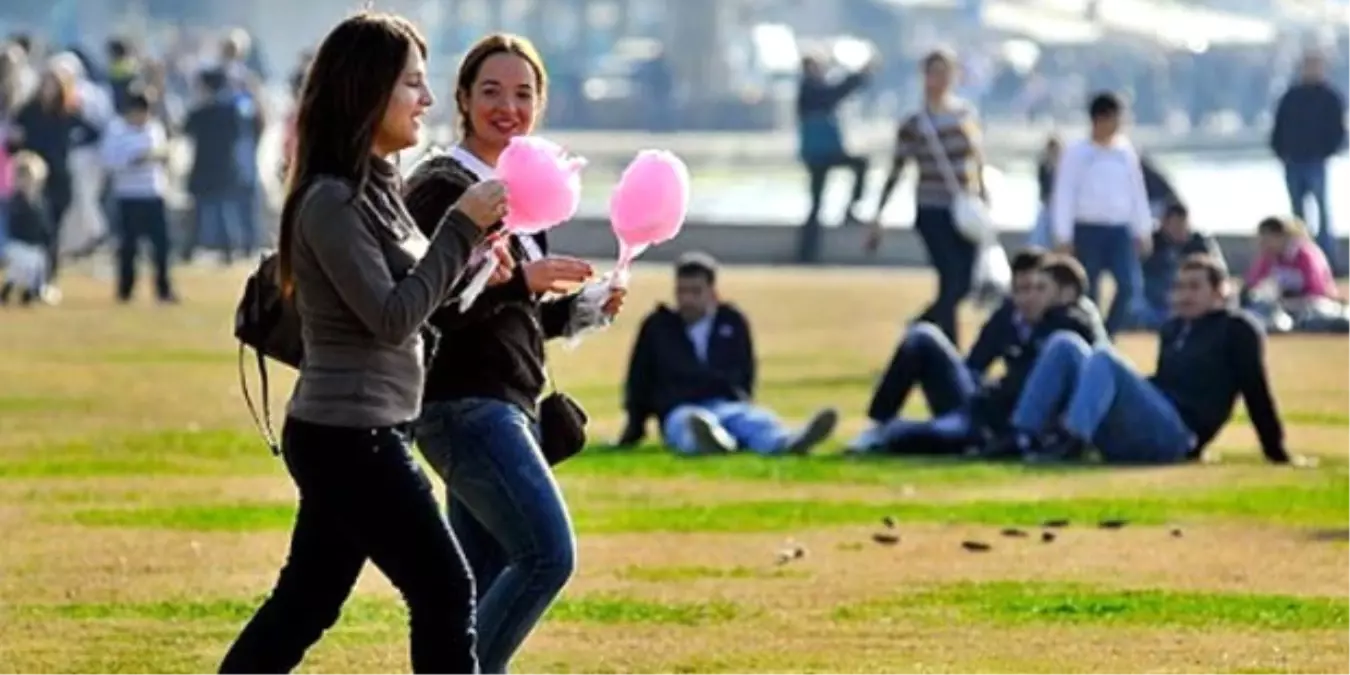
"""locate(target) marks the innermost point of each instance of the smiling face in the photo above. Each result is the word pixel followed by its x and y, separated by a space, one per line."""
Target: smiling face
pixel 402 121
pixel 503 100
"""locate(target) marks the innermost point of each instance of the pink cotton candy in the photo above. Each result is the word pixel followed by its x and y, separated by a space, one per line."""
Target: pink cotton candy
pixel 543 184
pixel 650 202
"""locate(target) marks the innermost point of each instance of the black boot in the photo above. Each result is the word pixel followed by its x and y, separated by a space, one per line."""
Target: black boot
pixel 5 292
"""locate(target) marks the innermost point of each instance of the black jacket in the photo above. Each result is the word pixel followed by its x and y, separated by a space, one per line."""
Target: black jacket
pixel 1203 364
pixel 998 398
pixel 216 129
pixel 29 221
pixel 1309 123
pixel 496 348
pixel 664 372
pixel 1160 267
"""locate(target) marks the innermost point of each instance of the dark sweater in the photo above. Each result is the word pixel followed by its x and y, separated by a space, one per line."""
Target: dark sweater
pixel 29 221
pixel 1203 364
pixel 664 372
pixel 1160 267
pixel 1309 123
pixel 495 349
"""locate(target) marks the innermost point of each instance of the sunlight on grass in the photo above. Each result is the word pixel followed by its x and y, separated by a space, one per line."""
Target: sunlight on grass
pixel 1017 603
pixel 169 452
pixel 386 612
pixel 1321 500
pixel 695 572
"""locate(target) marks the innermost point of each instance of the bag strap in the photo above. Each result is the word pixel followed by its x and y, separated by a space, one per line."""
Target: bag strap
pixel 930 134
pixel 263 422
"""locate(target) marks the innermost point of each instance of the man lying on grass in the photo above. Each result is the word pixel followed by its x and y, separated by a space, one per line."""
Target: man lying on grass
pixel 1048 297
pixel 1208 353
pixel 693 368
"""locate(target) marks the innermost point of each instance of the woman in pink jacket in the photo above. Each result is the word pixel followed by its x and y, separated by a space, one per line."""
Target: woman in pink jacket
pixel 1291 261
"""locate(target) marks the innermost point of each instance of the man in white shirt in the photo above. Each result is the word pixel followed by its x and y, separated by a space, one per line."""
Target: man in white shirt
pixel 1100 210
pixel 135 151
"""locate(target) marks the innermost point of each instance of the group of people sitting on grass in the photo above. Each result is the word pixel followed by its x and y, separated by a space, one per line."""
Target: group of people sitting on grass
pixel 1064 389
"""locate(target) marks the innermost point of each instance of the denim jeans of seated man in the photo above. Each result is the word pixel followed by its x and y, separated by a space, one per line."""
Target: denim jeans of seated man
pixel 508 513
pixel 1104 401
pixel 753 427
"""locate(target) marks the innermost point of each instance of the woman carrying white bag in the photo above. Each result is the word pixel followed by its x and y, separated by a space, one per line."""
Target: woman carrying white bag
pixel 950 216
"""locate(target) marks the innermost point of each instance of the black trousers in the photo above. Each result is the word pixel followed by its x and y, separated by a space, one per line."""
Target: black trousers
pixel 953 258
pixel 362 497
pixel 58 193
pixel 808 245
pixel 138 220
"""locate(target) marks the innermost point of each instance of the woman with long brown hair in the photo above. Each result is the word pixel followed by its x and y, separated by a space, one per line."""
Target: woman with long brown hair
pixel 51 125
pixel 364 279
pixel 483 428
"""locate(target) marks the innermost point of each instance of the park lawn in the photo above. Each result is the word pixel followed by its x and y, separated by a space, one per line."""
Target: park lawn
pixel 144 517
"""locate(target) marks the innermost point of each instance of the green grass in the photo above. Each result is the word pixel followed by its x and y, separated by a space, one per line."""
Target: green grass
pixel 158 453
pixel 1322 499
pixel 363 611
pixel 1020 603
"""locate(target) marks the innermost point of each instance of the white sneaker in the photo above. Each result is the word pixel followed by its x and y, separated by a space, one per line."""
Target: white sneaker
pixel 709 436
pixel 817 429
pixel 870 439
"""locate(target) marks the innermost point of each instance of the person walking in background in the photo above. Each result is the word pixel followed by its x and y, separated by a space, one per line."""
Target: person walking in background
pixel 245 89
pixel 364 280
pixel 1100 210
pixel 51 125
pixel 124 70
pixel 1045 183
pixel 30 232
pixel 135 151
pixel 942 138
pixel 821 145
pixel 85 226
pixel 1309 129
pixel 215 179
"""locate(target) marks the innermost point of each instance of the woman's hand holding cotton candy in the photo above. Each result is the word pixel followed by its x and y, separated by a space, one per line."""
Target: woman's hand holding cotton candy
pixel 506 263
pixel 484 203
pixel 555 274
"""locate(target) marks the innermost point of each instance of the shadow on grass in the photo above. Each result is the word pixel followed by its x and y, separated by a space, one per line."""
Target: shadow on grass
pixel 368 611
pixel 1320 501
pixel 1015 603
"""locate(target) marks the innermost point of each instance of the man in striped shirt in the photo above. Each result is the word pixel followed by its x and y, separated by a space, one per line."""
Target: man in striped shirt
pixel 135 151
pixel 943 139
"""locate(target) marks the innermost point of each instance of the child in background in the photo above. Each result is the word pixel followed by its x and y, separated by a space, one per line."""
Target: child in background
pixel 135 151
pixel 7 146
pixel 30 231
pixel 1290 285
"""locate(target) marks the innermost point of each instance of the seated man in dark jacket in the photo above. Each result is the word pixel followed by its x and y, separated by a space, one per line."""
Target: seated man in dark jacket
pixel 1048 297
pixel 693 368
pixel 1173 241
pixel 1208 353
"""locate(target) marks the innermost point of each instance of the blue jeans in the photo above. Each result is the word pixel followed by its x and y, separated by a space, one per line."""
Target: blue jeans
pixel 1304 179
pixel 1103 248
pixel 221 221
pixel 507 512
pixel 1040 232
pixel 753 427
pixel 1103 401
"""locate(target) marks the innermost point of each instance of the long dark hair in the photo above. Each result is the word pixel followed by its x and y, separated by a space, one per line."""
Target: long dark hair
pixel 346 91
